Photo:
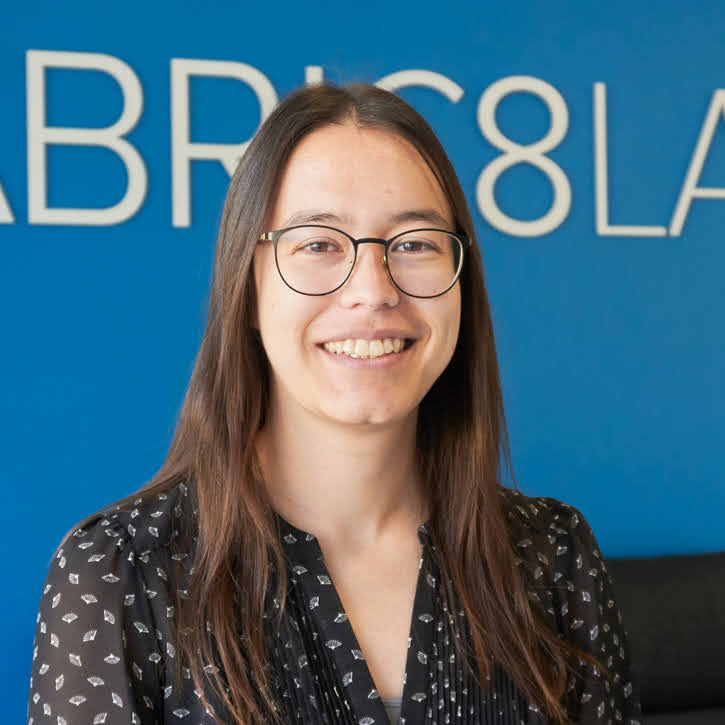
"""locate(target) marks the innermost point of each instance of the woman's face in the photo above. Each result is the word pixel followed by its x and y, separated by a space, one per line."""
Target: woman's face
pixel 361 181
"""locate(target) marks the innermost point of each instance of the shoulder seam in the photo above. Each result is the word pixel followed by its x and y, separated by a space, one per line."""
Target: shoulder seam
pixel 108 519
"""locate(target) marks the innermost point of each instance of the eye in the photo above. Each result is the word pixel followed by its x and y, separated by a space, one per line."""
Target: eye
pixel 411 245
pixel 318 246
pixel 415 245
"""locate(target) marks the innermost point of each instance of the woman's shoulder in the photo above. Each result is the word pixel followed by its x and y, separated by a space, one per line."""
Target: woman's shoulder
pixel 147 523
pixel 559 558
pixel 130 542
pixel 554 544
pixel 105 621
pixel 538 514
pixel 566 576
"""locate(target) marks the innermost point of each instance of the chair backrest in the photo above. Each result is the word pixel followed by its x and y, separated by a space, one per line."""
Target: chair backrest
pixel 673 610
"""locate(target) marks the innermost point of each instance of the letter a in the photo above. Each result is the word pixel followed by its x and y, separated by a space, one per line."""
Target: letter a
pixel 690 190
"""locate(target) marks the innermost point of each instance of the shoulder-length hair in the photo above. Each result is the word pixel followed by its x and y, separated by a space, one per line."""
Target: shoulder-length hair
pixel 462 457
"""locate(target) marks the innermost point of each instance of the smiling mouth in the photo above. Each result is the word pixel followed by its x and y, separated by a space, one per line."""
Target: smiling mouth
pixel 367 349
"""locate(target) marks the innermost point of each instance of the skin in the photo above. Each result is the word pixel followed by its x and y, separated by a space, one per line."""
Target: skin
pixel 338 448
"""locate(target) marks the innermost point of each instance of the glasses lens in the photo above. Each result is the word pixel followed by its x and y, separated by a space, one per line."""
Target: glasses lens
pixel 425 263
pixel 314 260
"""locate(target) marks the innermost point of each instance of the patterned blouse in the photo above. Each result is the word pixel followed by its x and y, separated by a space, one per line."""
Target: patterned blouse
pixel 104 649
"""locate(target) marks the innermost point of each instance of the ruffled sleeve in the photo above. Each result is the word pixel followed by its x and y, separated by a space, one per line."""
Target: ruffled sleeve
pixel 101 626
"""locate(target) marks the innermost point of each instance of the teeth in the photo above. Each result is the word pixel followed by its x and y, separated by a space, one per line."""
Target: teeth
pixel 365 348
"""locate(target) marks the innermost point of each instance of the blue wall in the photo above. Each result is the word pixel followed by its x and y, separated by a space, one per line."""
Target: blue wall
pixel 608 315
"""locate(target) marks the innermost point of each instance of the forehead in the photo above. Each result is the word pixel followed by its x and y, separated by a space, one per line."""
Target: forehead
pixel 360 175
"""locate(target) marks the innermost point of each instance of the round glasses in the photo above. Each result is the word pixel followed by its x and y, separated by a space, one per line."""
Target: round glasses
pixel 314 259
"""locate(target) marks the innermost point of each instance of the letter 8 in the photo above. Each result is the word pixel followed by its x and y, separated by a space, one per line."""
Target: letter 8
pixel 515 153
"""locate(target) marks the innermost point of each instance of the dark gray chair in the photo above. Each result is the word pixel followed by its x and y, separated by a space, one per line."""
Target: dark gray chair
pixel 673 608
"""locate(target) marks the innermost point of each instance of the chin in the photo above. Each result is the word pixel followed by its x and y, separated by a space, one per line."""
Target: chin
pixel 365 415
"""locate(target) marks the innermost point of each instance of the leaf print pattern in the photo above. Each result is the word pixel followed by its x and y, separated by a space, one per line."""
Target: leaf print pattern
pixel 105 631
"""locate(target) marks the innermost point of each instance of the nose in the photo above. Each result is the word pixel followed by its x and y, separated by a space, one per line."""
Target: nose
pixel 369 283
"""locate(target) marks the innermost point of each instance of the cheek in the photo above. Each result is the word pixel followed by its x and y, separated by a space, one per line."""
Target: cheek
pixel 452 320
pixel 284 317
pixel 271 312
pixel 276 320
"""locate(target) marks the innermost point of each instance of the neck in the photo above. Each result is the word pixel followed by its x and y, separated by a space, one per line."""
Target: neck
pixel 349 484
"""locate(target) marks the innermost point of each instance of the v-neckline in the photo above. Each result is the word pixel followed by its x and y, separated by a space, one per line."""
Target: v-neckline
pixel 307 567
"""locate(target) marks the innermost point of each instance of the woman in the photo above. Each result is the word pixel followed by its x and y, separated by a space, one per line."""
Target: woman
pixel 328 540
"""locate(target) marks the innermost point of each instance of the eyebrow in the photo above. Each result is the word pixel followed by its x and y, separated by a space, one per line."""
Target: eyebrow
pixel 311 216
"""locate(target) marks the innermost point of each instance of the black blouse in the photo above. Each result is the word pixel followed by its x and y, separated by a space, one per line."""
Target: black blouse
pixel 104 648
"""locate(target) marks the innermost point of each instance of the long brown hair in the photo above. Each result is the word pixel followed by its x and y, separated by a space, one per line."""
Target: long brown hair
pixel 462 457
